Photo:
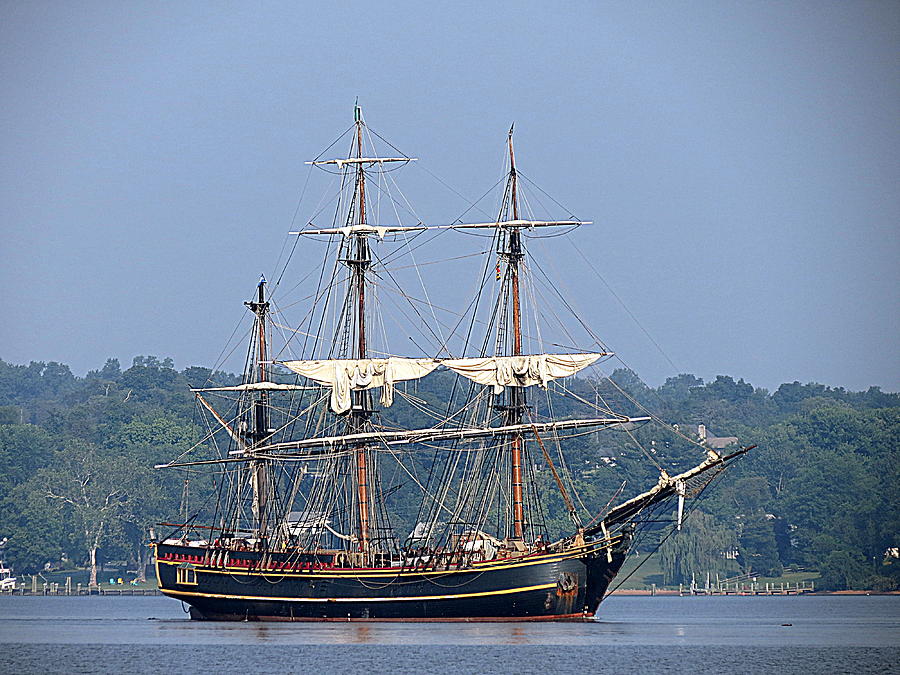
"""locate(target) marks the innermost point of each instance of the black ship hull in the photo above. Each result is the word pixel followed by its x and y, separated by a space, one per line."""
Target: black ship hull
pixel 547 587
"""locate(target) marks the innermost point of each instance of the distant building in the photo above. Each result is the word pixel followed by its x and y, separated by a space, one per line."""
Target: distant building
pixel 714 442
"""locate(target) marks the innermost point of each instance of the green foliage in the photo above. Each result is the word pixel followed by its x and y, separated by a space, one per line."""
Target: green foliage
pixel 80 476
pixel 10 414
pixel 36 529
pixel 758 550
pixel 697 549
pixel 90 488
pixel 822 490
pixel 24 448
pixel 844 571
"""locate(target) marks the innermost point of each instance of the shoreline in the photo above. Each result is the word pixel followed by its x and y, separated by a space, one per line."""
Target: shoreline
pixel 636 592
pixel 675 593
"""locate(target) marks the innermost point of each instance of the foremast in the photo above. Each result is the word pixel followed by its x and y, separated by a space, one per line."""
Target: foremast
pixel 258 429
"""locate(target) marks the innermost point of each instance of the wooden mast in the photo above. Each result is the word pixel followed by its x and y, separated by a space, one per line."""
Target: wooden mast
pixel 359 410
pixel 258 468
pixel 516 394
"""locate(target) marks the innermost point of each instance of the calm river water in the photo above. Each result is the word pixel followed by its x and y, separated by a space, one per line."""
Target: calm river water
pixel 631 634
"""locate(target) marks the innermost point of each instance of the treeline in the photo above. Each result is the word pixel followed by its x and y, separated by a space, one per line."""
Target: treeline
pixel 820 491
pixel 77 455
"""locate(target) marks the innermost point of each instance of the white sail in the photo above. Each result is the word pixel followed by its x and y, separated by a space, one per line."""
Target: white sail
pixel 351 230
pixel 360 160
pixel 344 375
pixel 520 371
pixel 518 223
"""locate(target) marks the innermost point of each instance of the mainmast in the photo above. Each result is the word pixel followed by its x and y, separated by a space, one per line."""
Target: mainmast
pixel 359 412
pixel 516 411
pixel 356 254
pixel 259 475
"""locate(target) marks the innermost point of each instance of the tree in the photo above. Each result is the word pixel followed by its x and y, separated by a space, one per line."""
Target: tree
pixel 699 547
pixel 10 414
pixel 109 373
pixel 154 495
pixel 24 448
pixel 757 550
pixel 724 387
pixel 37 534
pixel 843 571
pixel 93 485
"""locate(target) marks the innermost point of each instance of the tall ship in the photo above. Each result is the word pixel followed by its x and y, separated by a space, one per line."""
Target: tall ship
pixel 367 469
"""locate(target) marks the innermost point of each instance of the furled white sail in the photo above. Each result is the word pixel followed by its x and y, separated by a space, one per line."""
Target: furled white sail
pixel 344 375
pixel 520 371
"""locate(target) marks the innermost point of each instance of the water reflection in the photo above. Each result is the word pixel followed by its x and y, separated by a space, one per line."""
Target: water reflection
pixel 261 632
pixel 388 633
pixel 518 636
pixel 362 634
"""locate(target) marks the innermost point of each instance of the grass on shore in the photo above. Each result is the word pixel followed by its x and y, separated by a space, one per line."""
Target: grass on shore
pixel 640 573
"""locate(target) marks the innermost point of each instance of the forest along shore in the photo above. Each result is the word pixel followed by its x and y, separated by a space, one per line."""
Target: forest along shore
pixel 819 493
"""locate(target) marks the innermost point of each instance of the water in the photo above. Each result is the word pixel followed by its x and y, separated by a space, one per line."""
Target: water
pixel 855 634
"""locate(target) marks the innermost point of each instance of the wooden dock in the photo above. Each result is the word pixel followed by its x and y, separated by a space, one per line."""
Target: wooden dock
pixel 82 591
pixel 56 589
pixel 751 588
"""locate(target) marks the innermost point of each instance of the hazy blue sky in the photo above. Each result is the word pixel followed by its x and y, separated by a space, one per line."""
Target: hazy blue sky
pixel 740 161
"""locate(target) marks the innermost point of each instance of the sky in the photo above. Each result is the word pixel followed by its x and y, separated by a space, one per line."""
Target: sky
pixel 739 161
